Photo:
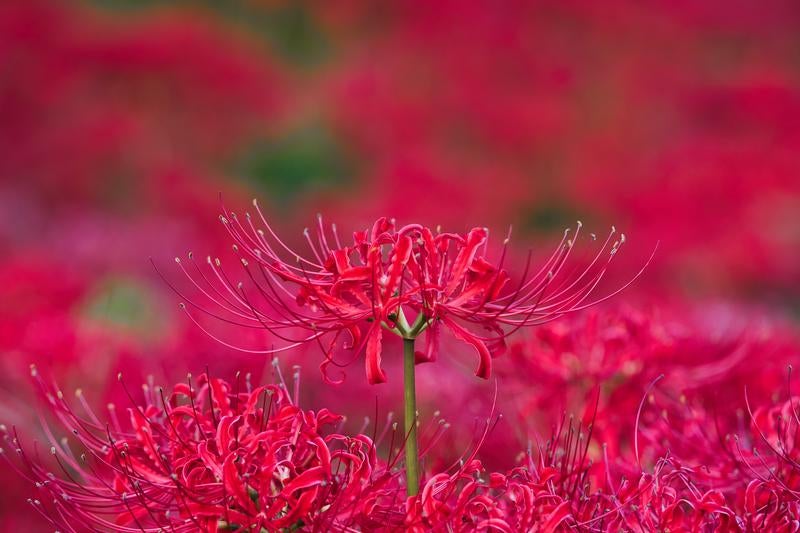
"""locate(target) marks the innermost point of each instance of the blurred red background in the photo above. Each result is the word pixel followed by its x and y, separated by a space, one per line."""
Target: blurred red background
pixel 122 122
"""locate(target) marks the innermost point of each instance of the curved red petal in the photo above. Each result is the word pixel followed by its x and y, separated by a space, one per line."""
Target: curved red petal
pixel 484 369
pixel 375 373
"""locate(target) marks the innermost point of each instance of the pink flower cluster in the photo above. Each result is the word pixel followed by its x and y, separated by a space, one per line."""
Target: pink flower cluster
pixel 213 455
pixel 208 455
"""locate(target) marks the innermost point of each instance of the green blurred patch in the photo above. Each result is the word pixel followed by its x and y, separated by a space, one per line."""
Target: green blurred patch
pixel 550 216
pixel 289 27
pixel 308 159
pixel 295 34
pixel 124 305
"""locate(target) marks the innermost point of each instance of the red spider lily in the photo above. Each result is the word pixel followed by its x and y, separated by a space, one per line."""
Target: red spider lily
pixel 697 481
pixel 405 280
pixel 709 478
pixel 546 494
pixel 219 456
pixel 561 490
pixel 709 352
pixel 209 456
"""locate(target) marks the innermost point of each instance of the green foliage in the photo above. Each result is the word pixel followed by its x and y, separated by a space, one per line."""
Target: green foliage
pixel 125 305
pixel 288 27
pixel 307 159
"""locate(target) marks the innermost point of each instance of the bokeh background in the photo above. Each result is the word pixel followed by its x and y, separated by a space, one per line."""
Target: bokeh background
pixel 123 122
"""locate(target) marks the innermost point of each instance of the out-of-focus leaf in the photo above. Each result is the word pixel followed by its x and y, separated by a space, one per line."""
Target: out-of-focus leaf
pixel 308 159
pixel 551 216
pixel 288 26
pixel 123 305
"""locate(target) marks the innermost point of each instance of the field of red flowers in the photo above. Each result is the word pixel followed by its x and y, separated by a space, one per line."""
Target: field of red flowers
pixel 553 286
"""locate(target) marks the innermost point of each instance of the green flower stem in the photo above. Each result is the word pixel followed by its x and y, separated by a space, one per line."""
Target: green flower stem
pixel 410 404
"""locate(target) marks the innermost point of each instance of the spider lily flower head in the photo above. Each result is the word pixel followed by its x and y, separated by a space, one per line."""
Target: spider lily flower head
pixel 406 280
pixel 700 482
pixel 712 472
pixel 209 456
pixel 559 487
pixel 550 491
